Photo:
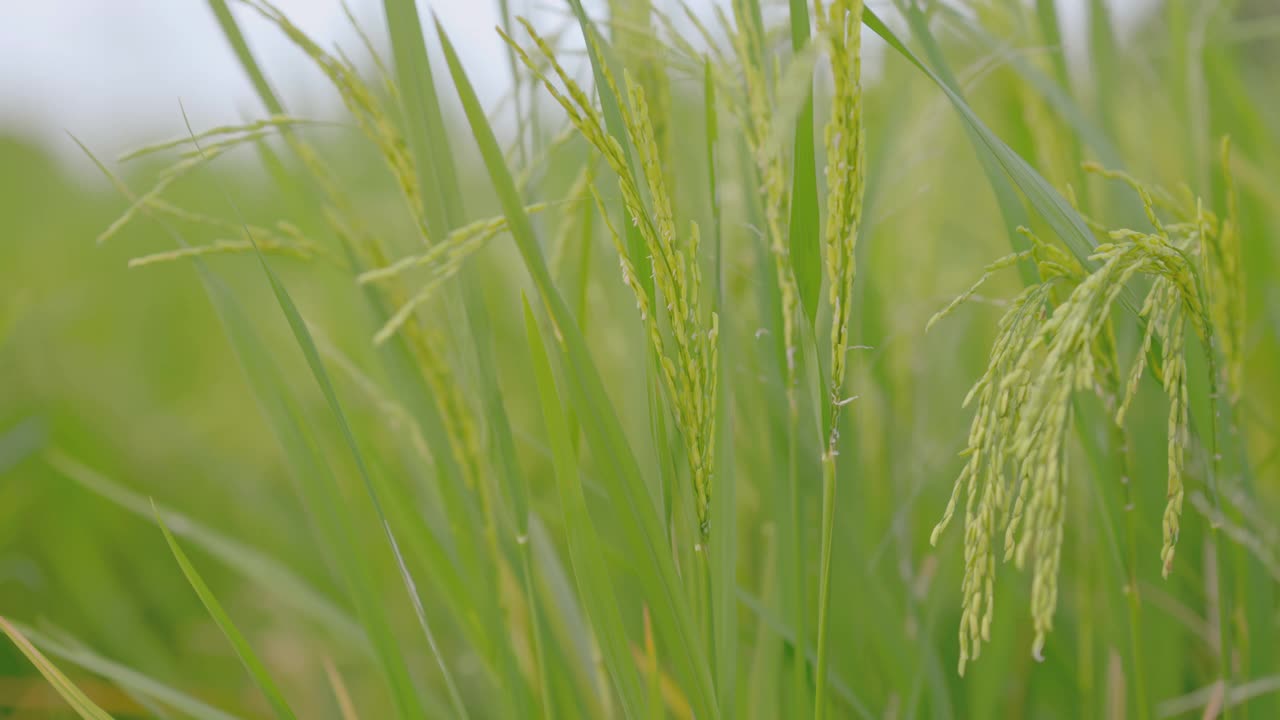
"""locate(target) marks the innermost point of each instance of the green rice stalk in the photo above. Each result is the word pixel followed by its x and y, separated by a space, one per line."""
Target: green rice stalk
pixel 686 352
pixel 845 140
pixel 748 44
pixel 376 124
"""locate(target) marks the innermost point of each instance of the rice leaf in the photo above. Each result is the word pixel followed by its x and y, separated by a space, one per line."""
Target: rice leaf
pixel 254 565
pixel 308 347
pixel 441 198
pixel 640 523
pixel 1047 201
pixel 313 475
pixel 257 670
pixel 471 594
pixel 129 679
pixel 444 212
pixel 611 107
pixel 78 701
pixel 590 571
pixel 231 30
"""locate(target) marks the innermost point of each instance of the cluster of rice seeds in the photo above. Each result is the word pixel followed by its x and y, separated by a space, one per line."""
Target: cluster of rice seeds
pixel 688 357
pixel 748 45
pixel 984 477
pixel 1038 361
pixel 841 27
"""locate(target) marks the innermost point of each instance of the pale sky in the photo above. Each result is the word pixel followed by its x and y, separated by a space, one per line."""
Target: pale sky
pixel 112 71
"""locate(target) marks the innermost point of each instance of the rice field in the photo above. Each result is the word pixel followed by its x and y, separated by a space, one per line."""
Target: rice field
pixel 747 359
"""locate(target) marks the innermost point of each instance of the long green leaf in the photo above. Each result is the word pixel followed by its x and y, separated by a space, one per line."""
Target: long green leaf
pixel 469 595
pixel 257 670
pixel 253 564
pixel 431 146
pixel 78 701
pixel 312 474
pixel 441 197
pixel 1053 91
pixel 129 679
pixel 312 355
pixel 231 30
pixel 641 525
pixel 590 571
pixel 1047 201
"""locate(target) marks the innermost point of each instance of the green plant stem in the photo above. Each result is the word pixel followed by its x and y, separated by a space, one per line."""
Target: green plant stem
pixel 1216 389
pixel 798 665
pixel 1220 556
pixel 824 579
pixel 539 652
pixel 1132 592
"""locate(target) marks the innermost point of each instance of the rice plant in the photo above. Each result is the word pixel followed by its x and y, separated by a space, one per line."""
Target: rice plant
pixel 628 394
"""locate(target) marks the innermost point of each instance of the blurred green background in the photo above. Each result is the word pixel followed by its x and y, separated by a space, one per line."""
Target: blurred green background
pixel 127 373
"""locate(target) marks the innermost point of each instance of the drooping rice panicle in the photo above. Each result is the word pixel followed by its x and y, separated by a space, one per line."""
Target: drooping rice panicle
pixel 1018 435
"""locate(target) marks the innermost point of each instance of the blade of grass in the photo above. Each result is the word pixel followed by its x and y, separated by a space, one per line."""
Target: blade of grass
pixel 1011 208
pixel 1047 201
pixel 312 474
pixel 244 559
pixel 804 652
pixel 231 30
pixel 252 663
pixel 422 112
pixel 1053 91
pixel 19 442
pixel 569 628
pixel 640 525
pixel 78 701
pixel 789 488
pixel 125 677
pixel 312 355
pixel 600 55
pixel 430 145
pixel 588 562
pixel 395 355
